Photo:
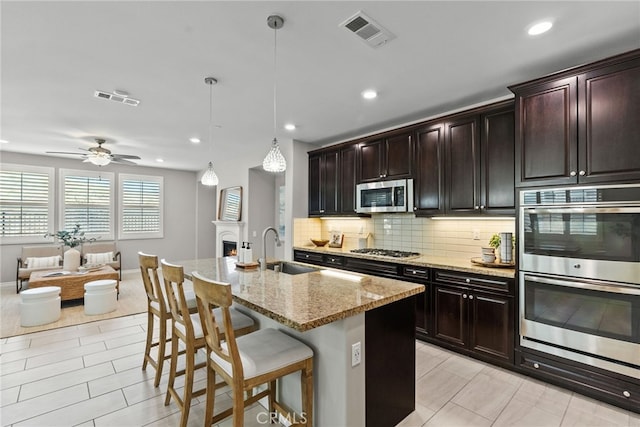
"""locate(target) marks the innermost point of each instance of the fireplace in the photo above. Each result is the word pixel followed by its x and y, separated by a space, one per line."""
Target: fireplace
pixel 228 232
pixel 229 248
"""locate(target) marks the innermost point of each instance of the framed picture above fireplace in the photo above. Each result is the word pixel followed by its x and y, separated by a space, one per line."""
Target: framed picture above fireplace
pixel 230 205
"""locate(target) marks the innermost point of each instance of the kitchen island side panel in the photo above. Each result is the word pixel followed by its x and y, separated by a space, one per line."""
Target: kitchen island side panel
pixel 390 338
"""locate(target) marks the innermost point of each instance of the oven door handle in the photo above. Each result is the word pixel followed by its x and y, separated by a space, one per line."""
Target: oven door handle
pixel 591 285
pixel 583 210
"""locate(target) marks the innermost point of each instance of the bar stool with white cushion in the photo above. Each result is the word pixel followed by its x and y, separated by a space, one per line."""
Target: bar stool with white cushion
pixel 254 359
pixel 187 327
pixel 39 306
pixel 100 297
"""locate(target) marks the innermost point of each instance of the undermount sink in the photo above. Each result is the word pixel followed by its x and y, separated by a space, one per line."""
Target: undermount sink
pixel 292 268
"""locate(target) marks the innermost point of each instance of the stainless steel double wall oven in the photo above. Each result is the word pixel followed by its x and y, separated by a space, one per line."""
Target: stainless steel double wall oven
pixel 580 274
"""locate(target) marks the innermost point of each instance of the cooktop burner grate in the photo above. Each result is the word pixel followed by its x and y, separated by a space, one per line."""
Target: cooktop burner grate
pixel 385 252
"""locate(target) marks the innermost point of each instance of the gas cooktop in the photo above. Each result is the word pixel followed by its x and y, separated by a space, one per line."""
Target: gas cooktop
pixel 385 253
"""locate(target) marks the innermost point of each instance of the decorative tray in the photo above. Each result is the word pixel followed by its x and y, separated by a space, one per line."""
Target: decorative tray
pixel 494 264
pixel 90 267
pixel 247 265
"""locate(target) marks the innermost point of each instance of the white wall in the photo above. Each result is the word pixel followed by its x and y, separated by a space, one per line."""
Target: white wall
pixel 189 209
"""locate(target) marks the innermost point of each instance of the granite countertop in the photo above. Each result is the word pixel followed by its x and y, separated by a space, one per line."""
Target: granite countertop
pixel 428 261
pixel 303 301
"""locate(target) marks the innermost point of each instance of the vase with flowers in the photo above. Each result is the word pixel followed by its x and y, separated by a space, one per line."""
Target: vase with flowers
pixel 72 239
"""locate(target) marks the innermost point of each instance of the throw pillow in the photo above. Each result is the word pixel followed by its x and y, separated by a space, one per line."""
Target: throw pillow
pixel 101 258
pixel 41 262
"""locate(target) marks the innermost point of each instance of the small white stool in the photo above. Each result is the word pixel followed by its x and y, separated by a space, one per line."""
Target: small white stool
pixel 100 296
pixel 39 306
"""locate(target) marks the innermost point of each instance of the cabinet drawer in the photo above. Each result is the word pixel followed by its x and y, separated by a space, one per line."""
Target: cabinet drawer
pixel 416 272
pixel 483 282
pixel 375 268
pixel 334 260
pixel 309 257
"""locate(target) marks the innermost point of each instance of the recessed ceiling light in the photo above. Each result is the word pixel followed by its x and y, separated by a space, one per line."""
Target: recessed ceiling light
pixel 3 141
pixel 195 140
pixel 290 126
pixel 159 160
pixel 539 28
pixel 369 94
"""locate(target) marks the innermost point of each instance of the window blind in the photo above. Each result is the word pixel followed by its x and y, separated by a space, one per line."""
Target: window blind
pixel 87 201
pixel 141 206
pixel 24 203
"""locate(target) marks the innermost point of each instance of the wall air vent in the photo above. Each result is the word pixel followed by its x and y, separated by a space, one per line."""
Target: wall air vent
pixel 116 98
pixel 372 33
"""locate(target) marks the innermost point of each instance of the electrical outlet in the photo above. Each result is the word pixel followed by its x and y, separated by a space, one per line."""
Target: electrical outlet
pixel 356 354
pixel 255 233
pixel 476 234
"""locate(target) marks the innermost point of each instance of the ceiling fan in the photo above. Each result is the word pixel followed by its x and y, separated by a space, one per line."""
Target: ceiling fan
pixel 101 156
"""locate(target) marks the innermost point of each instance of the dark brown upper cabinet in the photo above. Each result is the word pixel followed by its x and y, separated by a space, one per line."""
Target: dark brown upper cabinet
pixel 386 158
pixel 428 179
pixel 465 163
pixel 497 154
pixel 332 181
pixel 462 162
pixel 580 125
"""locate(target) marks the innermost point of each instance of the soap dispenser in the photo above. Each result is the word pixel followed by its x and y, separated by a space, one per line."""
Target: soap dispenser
pixel 248 253
pixel 241 254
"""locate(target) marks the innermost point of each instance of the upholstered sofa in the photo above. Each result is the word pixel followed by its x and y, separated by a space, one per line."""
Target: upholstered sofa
pixel 102 253
pixel 34 258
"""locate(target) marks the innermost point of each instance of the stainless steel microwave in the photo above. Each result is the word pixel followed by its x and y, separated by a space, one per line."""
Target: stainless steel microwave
pixel 385 196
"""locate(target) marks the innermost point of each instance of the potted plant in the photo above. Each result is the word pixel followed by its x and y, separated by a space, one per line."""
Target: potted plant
pixel 72 238
pixel 489 253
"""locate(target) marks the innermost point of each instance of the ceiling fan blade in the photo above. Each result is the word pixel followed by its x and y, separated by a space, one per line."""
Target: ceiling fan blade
pixel 122 162
pixel 124 156
pixel 65 152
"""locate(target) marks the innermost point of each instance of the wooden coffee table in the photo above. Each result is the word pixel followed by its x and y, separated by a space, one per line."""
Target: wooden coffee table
pixel 72 284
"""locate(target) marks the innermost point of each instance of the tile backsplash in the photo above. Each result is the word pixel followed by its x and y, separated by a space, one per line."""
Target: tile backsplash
pixel 441 237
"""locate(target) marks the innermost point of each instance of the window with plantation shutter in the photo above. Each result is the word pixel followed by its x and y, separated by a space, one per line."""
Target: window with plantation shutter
pixel 141 207
pixel 87 200
pixel 26 203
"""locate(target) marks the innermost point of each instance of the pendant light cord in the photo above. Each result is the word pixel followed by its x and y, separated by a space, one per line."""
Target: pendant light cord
pixel 275 94
pixel 211 119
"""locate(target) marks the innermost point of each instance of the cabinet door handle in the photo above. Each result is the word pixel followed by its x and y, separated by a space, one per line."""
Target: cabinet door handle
pixel 464 295
pixel 415 208
pixel 582 173
pixel 467 280
pixel 536 365
pixel 470 296
pixel 626 393
pixel 481 206
pixel 321 210
pixel 476 207
pixel 572 173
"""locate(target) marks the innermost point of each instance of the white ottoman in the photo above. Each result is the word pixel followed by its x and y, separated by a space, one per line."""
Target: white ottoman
pixel 100 296
pixel 39 306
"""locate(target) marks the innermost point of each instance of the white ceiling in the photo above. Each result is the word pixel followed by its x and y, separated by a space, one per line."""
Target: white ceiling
pixel 446 55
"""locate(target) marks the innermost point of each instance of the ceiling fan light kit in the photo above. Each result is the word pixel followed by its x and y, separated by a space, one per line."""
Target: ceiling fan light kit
pixel 209 177
pixel 274 161
pixel 101 156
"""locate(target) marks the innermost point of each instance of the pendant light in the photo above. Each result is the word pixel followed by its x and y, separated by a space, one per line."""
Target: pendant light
pixel 274 161
pixel 209 177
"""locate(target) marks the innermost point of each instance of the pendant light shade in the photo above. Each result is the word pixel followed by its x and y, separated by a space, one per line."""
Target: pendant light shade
pixel 274 161
pixel 209 177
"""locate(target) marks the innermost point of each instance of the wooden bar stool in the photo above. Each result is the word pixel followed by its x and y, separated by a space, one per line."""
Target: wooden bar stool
pixel 157 307
pixel 188 329
pixel 257 358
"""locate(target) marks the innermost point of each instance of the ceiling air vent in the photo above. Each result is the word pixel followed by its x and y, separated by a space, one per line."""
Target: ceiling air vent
pixel 374 34
pixel 116 98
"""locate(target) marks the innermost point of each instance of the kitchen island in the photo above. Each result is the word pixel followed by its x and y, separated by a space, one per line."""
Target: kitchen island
pixel 331 311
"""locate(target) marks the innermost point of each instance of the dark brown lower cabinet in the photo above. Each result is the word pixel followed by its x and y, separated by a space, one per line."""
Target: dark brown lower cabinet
pixel 602 385
pixel 474 320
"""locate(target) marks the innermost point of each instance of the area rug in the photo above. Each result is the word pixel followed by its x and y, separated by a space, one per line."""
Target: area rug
pixel 132 300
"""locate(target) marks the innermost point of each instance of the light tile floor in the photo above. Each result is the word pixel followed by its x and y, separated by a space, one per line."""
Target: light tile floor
pixel 89 375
